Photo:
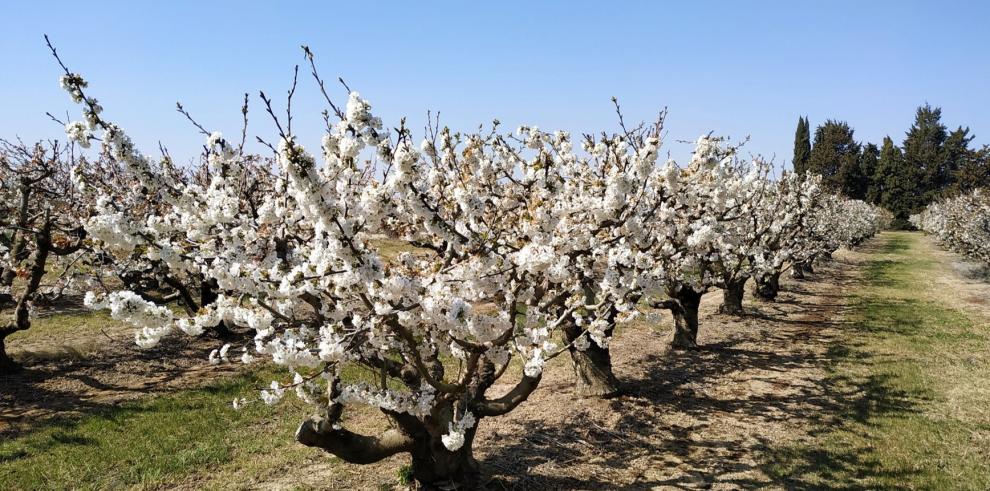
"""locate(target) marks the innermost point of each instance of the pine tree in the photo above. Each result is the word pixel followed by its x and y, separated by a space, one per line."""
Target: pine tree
pixel 802 146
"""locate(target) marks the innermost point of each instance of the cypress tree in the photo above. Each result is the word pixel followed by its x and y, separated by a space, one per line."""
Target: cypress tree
pixel 868 161
pixel 897 182
pixel 802 146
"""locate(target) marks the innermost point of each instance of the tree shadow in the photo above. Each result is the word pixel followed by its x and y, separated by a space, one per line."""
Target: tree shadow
pixel 691 455
pixel 56 390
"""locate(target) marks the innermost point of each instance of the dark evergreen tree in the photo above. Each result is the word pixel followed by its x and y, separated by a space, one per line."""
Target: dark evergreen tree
pixel 972 172
pixel 932 162
pixel 955 153
pixel 853 180
pixel 835 156
pixel 802 146
pixel 897 182
pixel 868 161
pixel 923 152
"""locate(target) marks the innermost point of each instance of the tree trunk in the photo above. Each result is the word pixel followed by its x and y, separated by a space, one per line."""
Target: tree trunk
pixel 592 366
pixel 767 288
pixel 685 319
pixel 802 268
pixel 435 467
pixel 732 297
pixel 207 295
pixel 18 247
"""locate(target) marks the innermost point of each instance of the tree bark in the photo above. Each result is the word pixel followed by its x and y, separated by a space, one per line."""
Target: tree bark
pixel 433 465
pixel 22 315
pixel 592 366
pixel 685 319
pixel 732 297
pixel 19 238
pixel 766 289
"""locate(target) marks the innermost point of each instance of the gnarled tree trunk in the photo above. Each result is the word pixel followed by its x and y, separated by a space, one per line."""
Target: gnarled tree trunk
pixel 18 248
pixel 766 289
pixel 592 366
pixel 22 318
pixel 683 305
pixel 434 466
pixel 732 297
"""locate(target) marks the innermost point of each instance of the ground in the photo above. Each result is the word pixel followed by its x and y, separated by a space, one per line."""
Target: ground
pixel 872 373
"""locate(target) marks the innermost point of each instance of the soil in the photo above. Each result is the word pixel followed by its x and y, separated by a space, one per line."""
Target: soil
pixel 696 419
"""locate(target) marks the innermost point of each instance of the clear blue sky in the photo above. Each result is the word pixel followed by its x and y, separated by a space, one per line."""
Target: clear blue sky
pixel 735 68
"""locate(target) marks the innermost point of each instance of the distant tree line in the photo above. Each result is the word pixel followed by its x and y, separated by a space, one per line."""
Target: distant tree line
pixel 930 163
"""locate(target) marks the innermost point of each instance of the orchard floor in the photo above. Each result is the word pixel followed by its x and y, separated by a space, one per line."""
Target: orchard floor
pixel 872 373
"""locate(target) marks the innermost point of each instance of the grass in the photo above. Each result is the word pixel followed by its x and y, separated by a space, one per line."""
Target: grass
pixel 61 336
pixel 159 441
pixel 909 384
pixel 909 401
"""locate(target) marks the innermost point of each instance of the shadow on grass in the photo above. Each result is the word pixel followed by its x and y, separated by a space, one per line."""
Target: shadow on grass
pixel 867 392
pixel 704 459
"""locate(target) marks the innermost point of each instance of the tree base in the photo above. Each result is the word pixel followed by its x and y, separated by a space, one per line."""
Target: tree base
pixel 736 310
pixel 685 320
pixel 766 290
pixel 593 375
pixel 732 298
pixel 604 389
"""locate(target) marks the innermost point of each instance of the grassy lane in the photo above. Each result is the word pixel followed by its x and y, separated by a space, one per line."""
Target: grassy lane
pixel 153 442
pixel 909 382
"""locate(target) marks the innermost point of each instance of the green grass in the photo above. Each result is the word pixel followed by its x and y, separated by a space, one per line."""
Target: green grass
pixel 157 441
pixel 905 385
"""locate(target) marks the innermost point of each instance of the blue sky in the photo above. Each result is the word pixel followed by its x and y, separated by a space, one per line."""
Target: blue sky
pixel 735 68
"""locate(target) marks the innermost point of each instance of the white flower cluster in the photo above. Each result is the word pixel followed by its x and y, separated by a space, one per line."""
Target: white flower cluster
pixel 454 438
pixel 961 224
pixel 507 240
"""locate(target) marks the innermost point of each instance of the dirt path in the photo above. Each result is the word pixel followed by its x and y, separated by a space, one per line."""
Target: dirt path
pixel 690 420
